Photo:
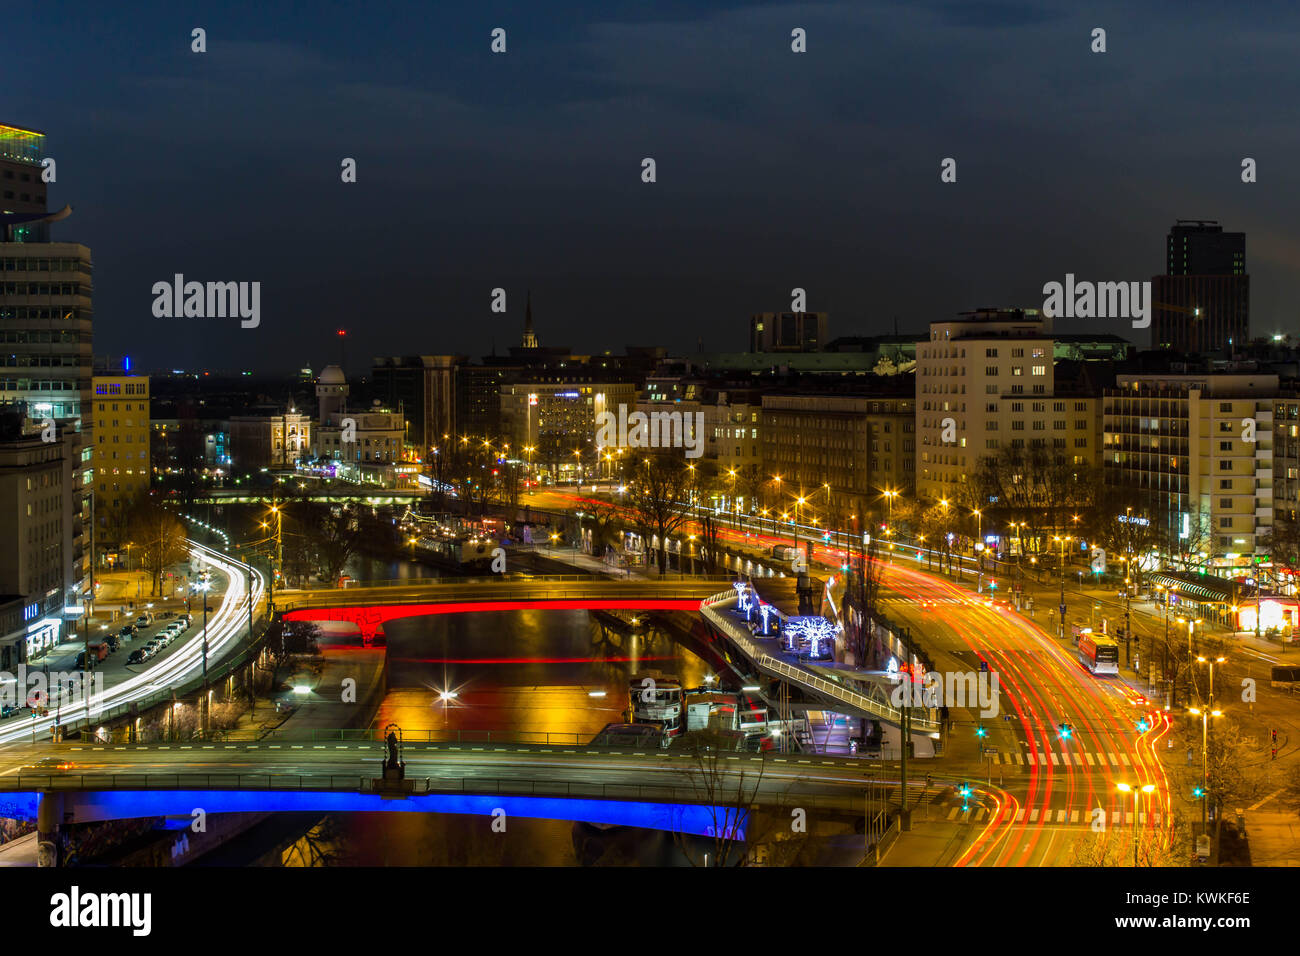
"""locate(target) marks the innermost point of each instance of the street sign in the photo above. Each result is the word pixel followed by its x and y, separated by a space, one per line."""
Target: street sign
pixel 990 750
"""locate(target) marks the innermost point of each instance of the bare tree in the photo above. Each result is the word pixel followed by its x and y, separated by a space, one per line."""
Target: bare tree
pixel 729 791
pixel 158 538
pixel 657 493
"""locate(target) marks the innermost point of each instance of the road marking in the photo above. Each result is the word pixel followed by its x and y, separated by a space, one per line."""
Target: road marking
pixel 74 748
pixel 1033 815
pixel 1114 762
pixel 1020 760
pixel 1060 816
pixel 269 747
pixel 1056 760
pixel 318 747
pixel 801 761
pixel 231 747
pixel 187 747
pixel 295 746
pixel 1124 758
pixel 1074 816
pixel 980 816
pixel 1256 806
pixel 1091 762
pixel 1078 761
pixel 209 747
pixel 952 814
pixel 1114 816
pixel 1020 815
pixel 1033 762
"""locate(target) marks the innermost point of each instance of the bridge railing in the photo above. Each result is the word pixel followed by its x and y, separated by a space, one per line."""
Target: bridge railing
pixel 536 590
pixel 739 635
pixel 489 581
pixel 426 786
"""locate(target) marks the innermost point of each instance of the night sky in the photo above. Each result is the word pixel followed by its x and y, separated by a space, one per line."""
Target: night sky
pixel 523 170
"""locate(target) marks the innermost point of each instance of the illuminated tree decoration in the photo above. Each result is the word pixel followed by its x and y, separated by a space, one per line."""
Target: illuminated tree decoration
pixel 817 634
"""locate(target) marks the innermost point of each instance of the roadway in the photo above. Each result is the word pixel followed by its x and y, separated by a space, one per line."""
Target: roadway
pixel 835 785
pixel 1043 812
pixel 227 626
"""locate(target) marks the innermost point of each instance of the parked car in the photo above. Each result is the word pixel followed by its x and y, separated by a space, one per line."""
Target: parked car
pixel 113 643
pixel 144 620
pixel 127 631
pixel 154 646
pixel 138 656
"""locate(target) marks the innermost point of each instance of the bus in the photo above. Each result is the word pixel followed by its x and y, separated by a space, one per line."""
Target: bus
pixel 1099 654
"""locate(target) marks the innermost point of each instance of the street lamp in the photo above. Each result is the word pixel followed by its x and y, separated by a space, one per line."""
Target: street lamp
pixel 1205 714
pixel 203 586
pixel 1063 541
pixel 1137 796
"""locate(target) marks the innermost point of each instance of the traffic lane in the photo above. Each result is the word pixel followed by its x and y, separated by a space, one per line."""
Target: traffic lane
pixel 646 769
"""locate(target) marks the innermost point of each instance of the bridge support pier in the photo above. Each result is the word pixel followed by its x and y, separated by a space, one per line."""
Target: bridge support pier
pixel 49 818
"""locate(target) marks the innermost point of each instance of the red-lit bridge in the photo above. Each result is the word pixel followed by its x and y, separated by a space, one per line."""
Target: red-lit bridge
pixel 373 605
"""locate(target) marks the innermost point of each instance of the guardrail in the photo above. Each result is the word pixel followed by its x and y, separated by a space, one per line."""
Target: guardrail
pixel 492 580
pixel 426 786
pixel 838 692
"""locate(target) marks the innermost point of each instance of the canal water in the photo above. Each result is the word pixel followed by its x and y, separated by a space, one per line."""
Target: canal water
pixel 531 671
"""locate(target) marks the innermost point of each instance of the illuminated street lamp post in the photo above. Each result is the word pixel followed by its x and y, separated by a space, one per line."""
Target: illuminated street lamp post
pixel 203 586
pixel 1137 796
pixel 1205 714
pixel 1063 541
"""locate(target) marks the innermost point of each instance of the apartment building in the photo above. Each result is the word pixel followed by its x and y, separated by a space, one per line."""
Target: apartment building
pixel 1198 447
pixel 986 381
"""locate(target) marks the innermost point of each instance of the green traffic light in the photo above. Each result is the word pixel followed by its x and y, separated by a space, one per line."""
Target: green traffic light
pixel 980 731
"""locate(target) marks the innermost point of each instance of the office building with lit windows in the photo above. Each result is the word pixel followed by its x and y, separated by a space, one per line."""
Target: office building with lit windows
pixel 45 331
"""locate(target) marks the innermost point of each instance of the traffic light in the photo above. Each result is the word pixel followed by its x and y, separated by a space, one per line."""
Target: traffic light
pixel 1275 735
pixel 1198 793
pixel 1066 731
pixel 1142 727
pixel 980 731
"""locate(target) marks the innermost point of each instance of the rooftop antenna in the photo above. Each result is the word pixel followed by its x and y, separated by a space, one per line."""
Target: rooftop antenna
pixel 343 354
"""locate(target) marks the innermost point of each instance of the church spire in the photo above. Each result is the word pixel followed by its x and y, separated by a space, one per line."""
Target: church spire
pixel 530 338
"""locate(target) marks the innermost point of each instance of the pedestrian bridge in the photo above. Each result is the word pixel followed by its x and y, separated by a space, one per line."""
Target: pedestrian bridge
pixel 371 606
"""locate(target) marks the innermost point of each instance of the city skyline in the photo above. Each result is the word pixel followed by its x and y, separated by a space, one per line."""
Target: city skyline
pixel 522 170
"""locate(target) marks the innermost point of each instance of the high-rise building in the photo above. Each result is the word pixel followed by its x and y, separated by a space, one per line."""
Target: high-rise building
pixel 987 381
pixel 22 189
pixel 1176 441
pixel 1202 302
pixel 45 330
pixel 122 460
